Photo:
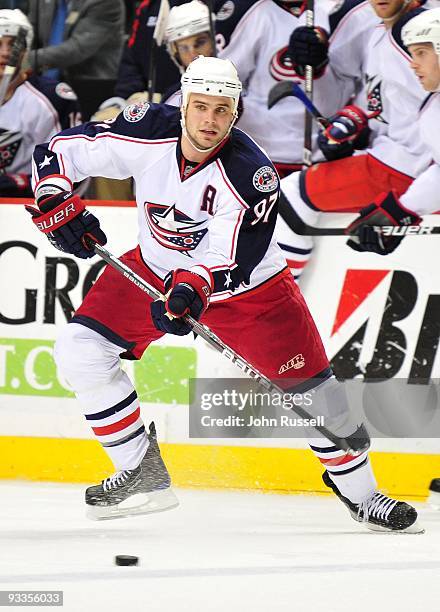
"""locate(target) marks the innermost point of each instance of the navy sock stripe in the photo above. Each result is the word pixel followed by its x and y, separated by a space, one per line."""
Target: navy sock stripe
pixel 114 409
pixel 133 435
pixel 348 470
pixel 296 250
pixel 327 449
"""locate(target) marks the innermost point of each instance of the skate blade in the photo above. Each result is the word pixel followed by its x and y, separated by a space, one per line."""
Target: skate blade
pixel 415 528
pixel 434 499
pixel 141 503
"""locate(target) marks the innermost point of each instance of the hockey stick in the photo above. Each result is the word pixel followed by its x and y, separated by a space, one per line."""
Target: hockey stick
pixel 289 88
pixel 210 5
pixel 354 444
pixel 18 46
pixel 156 42
pixel 285 89
pixel 297 225
pixel 307 151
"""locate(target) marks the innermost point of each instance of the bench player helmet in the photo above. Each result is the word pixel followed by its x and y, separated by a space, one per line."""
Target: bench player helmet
pixel 424 28
pixel 11 20
pixel 211 76
pixel 184 21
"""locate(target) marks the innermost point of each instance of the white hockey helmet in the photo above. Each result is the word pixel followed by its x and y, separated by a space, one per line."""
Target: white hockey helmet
pixel 211 76
pixel 424 28
pixel 186 20
pixel 11 20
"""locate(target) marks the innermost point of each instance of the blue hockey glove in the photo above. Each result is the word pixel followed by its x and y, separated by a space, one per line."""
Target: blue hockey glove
pixel 66 223
pixel 385 211
pixel 187 293
pixel 348 130
pixel 309 47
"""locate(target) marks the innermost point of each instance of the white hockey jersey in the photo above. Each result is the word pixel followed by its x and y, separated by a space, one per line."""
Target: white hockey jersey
pixel 217 221
pixel 38 109
pixel 395 95
pixel 255 37
pixel 423 195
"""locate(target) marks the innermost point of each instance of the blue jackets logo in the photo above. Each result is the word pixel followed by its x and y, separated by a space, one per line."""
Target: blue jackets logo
pixel 173 229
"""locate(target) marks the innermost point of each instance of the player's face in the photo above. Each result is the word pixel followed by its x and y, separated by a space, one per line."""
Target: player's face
pixel 208 119
pixel 385 9
pixel 5 51
pixel 425 63
pixel 192 46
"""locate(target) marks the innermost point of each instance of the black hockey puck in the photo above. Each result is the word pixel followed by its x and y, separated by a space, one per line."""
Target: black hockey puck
pixel 126 560
pixel 435 485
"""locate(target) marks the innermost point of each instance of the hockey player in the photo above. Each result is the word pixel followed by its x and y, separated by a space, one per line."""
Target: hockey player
pixel 397 154
pixel 421 35
pixel 34 109
pixel 207 204
pixel 187 35
pixel 255 36
pixel 269 42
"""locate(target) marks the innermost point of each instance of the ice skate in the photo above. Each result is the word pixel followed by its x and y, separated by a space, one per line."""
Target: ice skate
pixel 434 493
pixel 380 512
pixel 143 490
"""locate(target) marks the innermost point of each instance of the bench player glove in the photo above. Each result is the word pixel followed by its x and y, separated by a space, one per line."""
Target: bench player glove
pixel 66 223
pixel 15 186
pixel 348 130
pixel 388 211
pixel 309 47
pixel 187 293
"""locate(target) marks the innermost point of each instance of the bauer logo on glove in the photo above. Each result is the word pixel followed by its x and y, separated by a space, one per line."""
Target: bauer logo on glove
pixel 63 218
pixel 381 226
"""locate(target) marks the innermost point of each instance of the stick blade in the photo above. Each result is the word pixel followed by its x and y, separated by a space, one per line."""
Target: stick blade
pixel 279 91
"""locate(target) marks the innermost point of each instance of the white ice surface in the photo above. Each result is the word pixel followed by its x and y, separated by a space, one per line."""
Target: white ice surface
pixel 219 551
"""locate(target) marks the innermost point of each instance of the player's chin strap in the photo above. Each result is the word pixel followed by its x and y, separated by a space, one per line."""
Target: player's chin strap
pixel 399 12
pixel 193 144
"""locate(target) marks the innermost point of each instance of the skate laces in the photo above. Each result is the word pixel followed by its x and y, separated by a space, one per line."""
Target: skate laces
pixel 117 479
pixel 377 506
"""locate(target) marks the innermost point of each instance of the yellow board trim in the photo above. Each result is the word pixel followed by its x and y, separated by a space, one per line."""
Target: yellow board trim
pixel 280 470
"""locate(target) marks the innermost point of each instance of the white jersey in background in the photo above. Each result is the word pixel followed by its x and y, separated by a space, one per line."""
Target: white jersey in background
pixel 395 94
pixel 38 109
pixel 423 195
pixel 255 36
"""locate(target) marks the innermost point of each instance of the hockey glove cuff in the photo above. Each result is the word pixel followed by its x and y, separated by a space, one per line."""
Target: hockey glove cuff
pixel 366 233
pixel 187 293
pixel 66 223
pixel 348 130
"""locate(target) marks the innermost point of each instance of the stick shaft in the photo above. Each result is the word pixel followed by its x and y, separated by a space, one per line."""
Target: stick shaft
pixel 307 152
pixel 212 339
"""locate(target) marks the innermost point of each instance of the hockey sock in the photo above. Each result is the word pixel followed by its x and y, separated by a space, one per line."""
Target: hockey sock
pixel 90 364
